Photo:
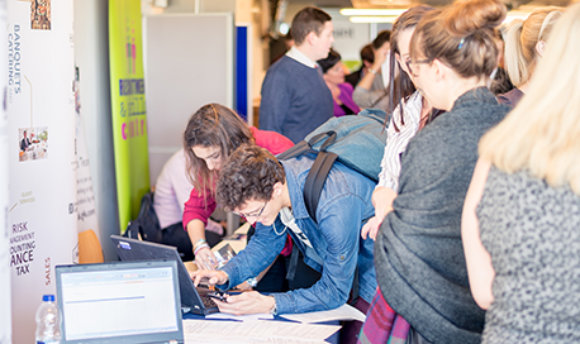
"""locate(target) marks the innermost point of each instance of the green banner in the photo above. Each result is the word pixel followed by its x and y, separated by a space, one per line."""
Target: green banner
pixel 128 107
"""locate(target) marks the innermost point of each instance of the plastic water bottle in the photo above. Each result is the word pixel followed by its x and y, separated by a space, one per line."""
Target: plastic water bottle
pixel 47 321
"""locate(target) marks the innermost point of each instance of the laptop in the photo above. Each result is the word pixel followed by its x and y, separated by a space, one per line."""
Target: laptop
pixel 120 302
pixel 194 300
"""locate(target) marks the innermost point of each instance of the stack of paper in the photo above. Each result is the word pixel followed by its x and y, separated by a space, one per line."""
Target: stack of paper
pixel 259 331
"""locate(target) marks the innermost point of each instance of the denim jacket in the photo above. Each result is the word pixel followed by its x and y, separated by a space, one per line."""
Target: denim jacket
pixel 345 204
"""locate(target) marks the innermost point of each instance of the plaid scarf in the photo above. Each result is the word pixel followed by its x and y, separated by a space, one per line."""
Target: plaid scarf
pixel 383 324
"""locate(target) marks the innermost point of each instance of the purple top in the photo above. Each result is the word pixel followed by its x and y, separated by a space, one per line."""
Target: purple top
pixel 511 98
pixel 346 99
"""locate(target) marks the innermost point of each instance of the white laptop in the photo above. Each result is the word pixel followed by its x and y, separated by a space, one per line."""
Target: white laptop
pixel 120 302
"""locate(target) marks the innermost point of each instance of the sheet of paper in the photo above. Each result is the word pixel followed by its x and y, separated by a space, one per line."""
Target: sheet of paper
pixel 252 340
pixel 247 317
pixel 259 331
pixel 344 312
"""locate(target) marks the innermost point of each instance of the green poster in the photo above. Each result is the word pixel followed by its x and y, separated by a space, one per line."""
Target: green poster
pixel 128 107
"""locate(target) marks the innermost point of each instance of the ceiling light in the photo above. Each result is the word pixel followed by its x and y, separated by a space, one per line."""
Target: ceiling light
pixel 372 19
pixel 372 11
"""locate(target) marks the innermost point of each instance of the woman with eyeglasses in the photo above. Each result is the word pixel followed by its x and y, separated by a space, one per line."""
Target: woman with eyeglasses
pixel 212 133
pixel 521 217
pixel 419 257
pixel 524 46
pixel 411 113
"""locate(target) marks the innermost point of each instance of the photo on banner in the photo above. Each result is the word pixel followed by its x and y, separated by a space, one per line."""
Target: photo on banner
pixel 33 143
pixel 40 14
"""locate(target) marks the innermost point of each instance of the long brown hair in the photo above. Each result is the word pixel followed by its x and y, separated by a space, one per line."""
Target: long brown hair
pixel 401 87
pixel 461 36
pixel 210 126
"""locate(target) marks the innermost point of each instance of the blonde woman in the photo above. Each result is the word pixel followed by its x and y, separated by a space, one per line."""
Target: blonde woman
pixel 521 217
pixel 524 46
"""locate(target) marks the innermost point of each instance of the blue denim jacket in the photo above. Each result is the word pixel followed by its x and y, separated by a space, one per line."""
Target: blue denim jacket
pixel 345 203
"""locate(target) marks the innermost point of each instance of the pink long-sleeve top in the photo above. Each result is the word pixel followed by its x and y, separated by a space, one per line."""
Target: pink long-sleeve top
pixel 198 207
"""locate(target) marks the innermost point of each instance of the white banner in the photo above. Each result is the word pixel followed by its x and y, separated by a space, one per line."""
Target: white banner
pixel 5 314
pixel 85 206
pixel 42 222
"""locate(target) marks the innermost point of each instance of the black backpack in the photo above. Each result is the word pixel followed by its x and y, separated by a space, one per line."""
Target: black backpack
pixel 146 224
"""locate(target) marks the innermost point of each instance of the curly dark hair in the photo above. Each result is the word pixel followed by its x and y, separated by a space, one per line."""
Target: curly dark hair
pixel 250 173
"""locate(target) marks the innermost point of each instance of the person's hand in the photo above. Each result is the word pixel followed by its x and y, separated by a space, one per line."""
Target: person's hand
pixel 371 228
pixel 380 56
pixel 250 302
pixel 382 200
pixel 212 277
pixel 205 259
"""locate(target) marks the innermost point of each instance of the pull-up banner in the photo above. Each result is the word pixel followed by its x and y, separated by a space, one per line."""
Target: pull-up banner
pixel 128 107
pixel 41 219
pixel 5 310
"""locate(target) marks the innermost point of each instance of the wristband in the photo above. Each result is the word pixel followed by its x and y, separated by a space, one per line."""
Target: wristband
pixel 372 71
pixel 198 248
pixel 274 310
pixel 253 282
pixel 198 243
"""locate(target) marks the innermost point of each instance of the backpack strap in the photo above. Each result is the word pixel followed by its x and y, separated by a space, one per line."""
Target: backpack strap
pixel 319 171
pixel 315 181
pixel 320 168
pixel 294 151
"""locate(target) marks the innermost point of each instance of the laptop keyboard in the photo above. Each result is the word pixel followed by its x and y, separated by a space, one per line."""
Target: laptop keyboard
pixel 205 298
pixel 208 302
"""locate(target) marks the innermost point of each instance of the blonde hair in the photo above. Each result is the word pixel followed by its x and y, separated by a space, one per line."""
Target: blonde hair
pixel 521 39
pixel 542 133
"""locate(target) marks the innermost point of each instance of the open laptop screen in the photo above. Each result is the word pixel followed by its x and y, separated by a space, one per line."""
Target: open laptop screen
pixel 129 302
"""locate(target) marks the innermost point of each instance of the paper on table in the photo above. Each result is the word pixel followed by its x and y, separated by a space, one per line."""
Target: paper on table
pixel 259 331
pixel 344 312
pixel 236 244
pixel 246 317
pixel 251 340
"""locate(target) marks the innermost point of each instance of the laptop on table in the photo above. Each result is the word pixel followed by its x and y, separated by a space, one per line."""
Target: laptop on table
pixel 194 300
pixel 121 302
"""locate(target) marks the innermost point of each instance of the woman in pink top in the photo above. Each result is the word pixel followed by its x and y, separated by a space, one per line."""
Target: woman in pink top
pixel 212 133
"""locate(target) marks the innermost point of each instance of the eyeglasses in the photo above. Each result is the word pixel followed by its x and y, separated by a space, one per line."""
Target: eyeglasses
pixel 409 62
pixel 256 214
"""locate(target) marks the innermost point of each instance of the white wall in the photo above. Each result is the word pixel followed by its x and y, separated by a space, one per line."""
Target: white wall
pixel 185 68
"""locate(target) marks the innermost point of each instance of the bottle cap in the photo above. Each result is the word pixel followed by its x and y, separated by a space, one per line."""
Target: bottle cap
pixel 48 297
